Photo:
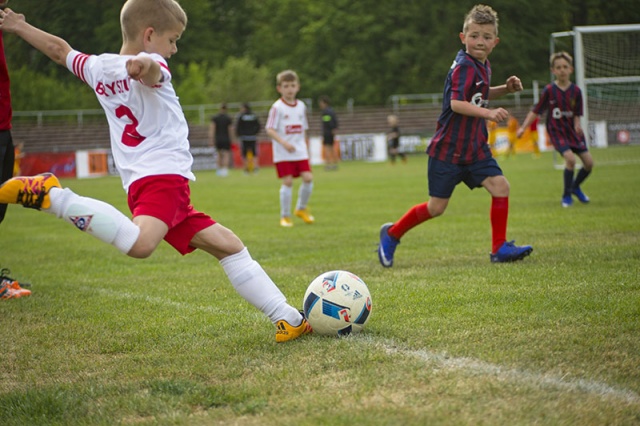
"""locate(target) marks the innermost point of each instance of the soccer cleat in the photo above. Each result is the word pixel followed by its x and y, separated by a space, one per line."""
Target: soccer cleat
pixel 286 332
pixel 580 195
pixel 12 290
pixel 286 222
pixel 387 246
pixel 567 201
pixel 304 215
pixel 509 252
pixel 32 192
pixel 4 275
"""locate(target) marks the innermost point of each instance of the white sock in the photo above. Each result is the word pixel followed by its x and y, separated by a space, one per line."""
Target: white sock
pixel 304 193
pixel 94 217
pixel 255 286
pixel 285 201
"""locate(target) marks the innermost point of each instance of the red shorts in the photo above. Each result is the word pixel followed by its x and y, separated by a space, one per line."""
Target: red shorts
pixel 292 168
pixel 167 197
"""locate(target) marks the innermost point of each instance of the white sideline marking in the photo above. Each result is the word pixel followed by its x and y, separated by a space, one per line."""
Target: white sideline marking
pixel 154 300
pixel 540 380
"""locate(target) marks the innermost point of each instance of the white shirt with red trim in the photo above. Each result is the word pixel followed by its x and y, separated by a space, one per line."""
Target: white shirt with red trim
pixel 148 130
pixel 290 121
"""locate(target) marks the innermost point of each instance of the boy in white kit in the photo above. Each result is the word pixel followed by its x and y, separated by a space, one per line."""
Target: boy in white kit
pixel 150 147
pixel 287 125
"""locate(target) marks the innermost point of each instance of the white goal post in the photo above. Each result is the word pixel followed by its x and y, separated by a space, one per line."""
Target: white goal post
pixel 607 70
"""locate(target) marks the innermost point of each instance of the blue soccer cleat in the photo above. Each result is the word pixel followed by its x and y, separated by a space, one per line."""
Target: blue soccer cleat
pixel 567 201
pixel 580 195
pixel 509 252
pixel 387 246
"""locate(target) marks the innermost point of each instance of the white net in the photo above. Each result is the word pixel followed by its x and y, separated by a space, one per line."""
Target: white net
pixel 611 62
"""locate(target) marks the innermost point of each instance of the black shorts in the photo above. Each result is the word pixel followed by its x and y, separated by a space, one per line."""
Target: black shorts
pixel 248 146
pixel 327 140
pixel 223 144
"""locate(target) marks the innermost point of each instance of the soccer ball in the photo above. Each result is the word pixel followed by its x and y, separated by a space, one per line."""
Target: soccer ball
pixel 337 303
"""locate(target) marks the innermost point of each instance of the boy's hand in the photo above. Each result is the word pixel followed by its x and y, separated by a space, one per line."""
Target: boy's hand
pixel 144 69
pixel 9 20
pixel 514 84
pixel 289 147
pixel 520 132
pixel 498 115
pixel 137 68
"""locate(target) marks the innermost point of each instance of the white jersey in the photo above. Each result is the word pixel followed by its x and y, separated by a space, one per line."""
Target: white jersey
pixel 148 130
pixel 290 121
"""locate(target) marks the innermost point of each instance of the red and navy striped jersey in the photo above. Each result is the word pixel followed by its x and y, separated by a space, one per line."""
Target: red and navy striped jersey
pixel 562 107
pixel 461 139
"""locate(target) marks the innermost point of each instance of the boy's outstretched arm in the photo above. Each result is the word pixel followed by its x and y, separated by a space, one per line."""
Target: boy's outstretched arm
pixel 512 85
pixel 54 47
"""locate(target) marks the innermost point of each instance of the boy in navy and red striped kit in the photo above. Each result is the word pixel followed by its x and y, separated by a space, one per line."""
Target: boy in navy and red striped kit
pixel 459 151
pixel 562 100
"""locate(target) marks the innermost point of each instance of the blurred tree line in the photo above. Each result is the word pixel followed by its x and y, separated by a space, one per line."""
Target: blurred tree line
pixel 365 50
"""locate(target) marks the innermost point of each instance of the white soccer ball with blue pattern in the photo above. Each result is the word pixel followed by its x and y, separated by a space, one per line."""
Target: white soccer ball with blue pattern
pixel 337 303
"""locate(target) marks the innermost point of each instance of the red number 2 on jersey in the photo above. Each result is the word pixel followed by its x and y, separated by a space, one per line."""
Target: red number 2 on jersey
pixel 130 136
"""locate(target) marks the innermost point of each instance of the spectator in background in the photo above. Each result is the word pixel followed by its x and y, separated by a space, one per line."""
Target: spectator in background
pixel 492 127
pixel 247 129
pixel 393 140
pixel 329 127
pixel 18 154
pixel 533 136
pixel 220 132
pixel 512 132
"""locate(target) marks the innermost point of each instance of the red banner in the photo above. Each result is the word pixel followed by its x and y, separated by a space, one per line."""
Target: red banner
pixel 61 164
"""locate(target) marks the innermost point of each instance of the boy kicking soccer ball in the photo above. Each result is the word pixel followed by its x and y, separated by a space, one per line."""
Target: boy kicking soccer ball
pixel 151 150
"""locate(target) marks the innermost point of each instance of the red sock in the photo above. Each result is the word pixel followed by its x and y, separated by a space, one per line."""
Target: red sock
pixel 499 215
pixel 414 217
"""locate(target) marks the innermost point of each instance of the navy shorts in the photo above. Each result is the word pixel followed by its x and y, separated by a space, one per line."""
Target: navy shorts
pixel 577 148
pixel 443 177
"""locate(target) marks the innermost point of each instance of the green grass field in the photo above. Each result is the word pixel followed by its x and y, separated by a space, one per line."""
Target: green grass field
pixel 453 339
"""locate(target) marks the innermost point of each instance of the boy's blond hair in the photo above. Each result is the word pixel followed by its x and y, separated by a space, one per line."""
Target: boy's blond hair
pixel 286 75
pixel 481 14
pixel 560 55
pixel 161 15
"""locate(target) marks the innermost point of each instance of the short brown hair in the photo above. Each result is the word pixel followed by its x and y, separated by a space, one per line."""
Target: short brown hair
pixel 560 55
pixel 162 15
pixel 481 14
pixel 286 75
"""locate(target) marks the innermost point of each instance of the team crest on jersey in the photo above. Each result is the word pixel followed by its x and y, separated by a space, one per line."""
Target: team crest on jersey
pixel 477 100
pixel 81 222
pixel 293 129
